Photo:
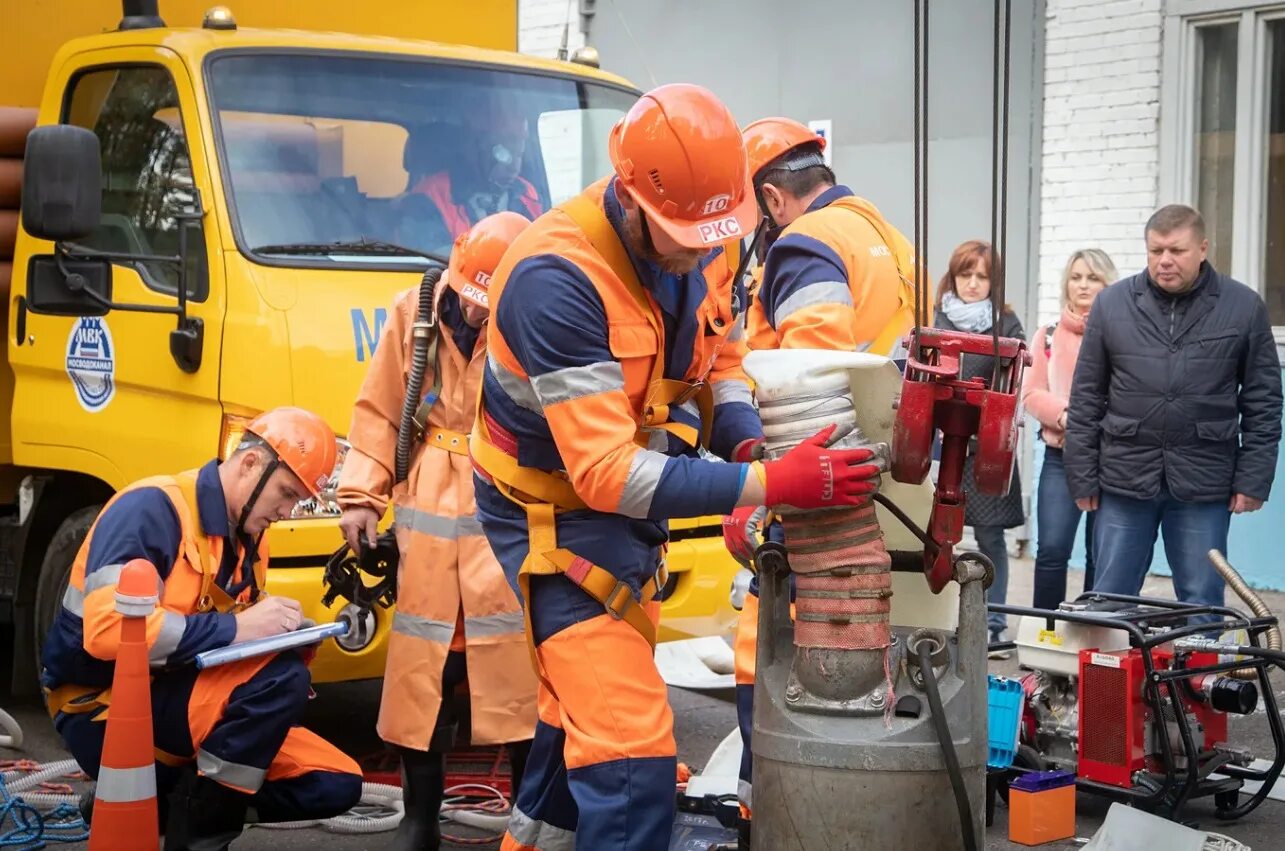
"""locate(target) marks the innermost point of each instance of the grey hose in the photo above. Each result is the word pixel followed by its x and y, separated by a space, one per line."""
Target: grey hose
pixel 421 334
pixel 1255 603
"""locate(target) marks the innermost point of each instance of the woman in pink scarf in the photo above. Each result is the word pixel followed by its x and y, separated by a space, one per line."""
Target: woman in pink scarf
pixel 1045 395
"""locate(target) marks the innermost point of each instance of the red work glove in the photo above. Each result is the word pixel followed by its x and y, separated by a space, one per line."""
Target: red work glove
pixel 743 532
pixel 748 450
pixel 813 476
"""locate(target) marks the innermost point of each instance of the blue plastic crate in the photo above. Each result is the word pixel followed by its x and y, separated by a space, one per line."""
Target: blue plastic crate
pixel 1004 704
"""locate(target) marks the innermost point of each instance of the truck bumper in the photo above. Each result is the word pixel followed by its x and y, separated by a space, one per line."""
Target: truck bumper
pixel 696 601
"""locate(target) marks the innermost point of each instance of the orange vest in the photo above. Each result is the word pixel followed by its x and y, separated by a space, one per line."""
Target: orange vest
pixel 190 588
pixel 580 232
pixel 452 593
pixel 880 266
pixel 438 188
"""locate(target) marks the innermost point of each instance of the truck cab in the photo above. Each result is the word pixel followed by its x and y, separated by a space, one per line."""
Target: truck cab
pixel 264 195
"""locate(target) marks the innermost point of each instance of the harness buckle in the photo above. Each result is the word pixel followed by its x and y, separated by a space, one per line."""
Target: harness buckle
pixel 660 578
pixel 688 394
pixel 618 613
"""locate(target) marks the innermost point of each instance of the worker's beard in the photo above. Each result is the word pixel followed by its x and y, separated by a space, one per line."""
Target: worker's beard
pixel 638 232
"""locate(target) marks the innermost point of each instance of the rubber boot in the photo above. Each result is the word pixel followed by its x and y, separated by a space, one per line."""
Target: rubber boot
pixel 518 753
pixel 204 815
pixel 423 787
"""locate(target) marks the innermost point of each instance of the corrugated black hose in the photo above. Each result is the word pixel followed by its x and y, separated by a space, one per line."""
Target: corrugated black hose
pixel 421 335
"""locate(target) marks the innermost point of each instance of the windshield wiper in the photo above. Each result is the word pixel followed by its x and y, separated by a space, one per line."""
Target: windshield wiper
pixel 363 246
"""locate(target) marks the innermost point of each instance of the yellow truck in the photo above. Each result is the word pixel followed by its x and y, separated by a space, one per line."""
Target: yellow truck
pixel 232 242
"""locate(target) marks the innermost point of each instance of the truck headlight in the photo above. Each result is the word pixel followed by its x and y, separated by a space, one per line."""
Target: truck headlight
pixel 327 505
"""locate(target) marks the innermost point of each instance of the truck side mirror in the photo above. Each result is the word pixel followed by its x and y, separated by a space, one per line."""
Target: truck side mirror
pixel 62 183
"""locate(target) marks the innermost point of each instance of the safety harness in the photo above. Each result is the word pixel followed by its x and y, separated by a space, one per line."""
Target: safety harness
pixel 75 699
pixel 543 495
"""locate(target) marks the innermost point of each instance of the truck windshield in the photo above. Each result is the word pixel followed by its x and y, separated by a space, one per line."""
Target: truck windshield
pixel 364 159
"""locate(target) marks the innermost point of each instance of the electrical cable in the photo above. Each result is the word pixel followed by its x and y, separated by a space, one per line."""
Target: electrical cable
pixel 944 737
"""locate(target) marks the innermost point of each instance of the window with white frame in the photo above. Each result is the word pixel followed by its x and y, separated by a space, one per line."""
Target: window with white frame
pixel 1223 134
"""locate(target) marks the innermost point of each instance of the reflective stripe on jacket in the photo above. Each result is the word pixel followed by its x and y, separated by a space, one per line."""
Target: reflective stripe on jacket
pixel 838 277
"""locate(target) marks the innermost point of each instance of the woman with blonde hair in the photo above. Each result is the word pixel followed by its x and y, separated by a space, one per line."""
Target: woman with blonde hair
pixel 1045 395
pixel 964 303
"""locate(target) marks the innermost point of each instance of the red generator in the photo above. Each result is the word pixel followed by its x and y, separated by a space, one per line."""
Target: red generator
pixel 1133 695
pixel 1119 732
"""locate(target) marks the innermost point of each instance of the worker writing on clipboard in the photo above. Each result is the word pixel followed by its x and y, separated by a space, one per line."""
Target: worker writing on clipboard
pixel 227 742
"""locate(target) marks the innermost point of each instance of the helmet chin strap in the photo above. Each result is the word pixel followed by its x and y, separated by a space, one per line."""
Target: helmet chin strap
pixel 758 196
pixel 271 467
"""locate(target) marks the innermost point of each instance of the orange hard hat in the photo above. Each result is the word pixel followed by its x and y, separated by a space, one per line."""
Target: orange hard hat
pixel 679 155
pixel 302 441
pixel 768 138
pixel 477 252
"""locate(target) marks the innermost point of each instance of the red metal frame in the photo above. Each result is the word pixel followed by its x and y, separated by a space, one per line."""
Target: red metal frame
pixel 487 765
pixel 934 398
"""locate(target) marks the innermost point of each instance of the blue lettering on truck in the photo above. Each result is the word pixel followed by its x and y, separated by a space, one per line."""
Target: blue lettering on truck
pixel 364 338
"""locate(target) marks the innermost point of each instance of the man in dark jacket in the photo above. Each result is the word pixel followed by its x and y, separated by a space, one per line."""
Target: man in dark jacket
pixel 1175 412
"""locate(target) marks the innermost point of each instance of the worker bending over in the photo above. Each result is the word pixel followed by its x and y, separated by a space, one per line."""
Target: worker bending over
pixel 227 738
pixel 457 619
pixel 615 352
pixel 836 276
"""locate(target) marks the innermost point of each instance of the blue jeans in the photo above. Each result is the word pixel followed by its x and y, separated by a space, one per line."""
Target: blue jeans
pixel 1124 537
pixel 990 540
pixel 1058 520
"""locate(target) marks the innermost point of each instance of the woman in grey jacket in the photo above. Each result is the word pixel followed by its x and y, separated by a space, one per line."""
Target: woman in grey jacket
pixel 964 304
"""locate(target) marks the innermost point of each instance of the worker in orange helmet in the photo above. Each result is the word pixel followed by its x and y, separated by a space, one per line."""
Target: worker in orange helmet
pixel 615 355
pixel 446 195
pixel 456 617
pixel 227 737
pixel 836 275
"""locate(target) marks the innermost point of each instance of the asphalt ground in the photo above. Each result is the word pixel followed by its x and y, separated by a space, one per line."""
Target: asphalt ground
pixel 345 714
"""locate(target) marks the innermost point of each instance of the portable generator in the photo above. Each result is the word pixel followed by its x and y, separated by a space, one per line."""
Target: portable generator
pixel 1134 696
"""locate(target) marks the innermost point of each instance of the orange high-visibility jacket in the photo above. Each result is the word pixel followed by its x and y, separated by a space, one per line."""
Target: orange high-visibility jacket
pixel 451 592
pixel 609 397
pixel 838 277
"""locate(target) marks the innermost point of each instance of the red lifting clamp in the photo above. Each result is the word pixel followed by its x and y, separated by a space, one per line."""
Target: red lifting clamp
pixel 933 396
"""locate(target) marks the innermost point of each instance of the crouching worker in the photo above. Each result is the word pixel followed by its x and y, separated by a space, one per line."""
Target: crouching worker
pixel 457 618
pixel 228 745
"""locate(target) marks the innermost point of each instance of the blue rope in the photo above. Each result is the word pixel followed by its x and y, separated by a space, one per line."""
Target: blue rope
pixel 32 830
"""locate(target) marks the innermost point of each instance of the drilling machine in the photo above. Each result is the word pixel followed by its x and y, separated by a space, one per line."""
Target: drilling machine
pixel 870 705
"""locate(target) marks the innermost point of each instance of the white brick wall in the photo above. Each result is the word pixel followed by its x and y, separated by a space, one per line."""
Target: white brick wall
pixel 1100 164
pixel 540 26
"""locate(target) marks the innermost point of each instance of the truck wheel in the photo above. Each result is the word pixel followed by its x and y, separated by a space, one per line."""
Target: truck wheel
pixel 55 569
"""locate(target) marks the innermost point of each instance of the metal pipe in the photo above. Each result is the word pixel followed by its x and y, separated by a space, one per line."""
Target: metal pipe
pixel 1251 599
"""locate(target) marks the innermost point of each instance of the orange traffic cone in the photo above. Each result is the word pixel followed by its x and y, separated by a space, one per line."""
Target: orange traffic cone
pixel 125 800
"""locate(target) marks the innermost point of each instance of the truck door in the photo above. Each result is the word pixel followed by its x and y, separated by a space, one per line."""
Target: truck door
pixel 102 393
